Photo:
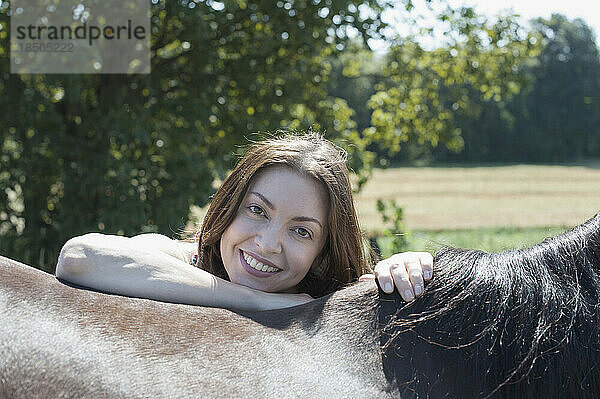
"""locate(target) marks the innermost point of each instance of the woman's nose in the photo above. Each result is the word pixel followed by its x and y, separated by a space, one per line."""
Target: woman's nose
pixel 269 239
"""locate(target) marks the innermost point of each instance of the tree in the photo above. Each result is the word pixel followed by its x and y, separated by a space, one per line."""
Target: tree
pixel 563 106
pixel 130 154
pixel 555 117
pixel 427 91
pixel 353 77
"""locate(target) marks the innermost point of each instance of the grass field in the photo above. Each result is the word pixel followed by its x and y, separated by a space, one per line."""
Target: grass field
pixel 491 208
pixel 499 196
pixel 489 239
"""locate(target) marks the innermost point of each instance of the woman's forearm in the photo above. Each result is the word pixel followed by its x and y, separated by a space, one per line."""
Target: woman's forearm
pixel 155 267
pixel 135 267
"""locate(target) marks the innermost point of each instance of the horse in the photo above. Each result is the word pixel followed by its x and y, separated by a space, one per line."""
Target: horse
pixel 522 323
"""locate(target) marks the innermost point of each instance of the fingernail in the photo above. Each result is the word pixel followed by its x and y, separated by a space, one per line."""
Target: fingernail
pixel 409 295
pixel 418 289
pixel 388 287
pixel 427 274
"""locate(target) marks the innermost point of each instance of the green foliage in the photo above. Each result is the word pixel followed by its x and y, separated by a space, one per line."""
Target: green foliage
pixel 556 117
pixel 130 154
pixel 426 90
pixel 354 76
pixel 393 214
pixel 563 106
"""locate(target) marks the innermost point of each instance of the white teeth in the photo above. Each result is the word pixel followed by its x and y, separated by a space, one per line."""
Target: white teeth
pixel 258 265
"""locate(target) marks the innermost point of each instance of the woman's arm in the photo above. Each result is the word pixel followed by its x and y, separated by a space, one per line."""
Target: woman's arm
pixel 155 267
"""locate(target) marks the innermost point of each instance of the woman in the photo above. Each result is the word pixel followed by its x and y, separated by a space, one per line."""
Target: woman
pixel 280 230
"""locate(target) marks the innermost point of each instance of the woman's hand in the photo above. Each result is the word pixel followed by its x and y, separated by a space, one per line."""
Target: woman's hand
pixel 407 270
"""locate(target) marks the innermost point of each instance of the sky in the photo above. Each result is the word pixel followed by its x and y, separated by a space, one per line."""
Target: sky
pixel 588 10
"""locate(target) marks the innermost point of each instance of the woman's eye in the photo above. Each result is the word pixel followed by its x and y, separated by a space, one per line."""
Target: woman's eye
pixel 257 210
pixel 302 232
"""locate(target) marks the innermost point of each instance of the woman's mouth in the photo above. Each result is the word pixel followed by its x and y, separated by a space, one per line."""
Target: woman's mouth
pixel 255 267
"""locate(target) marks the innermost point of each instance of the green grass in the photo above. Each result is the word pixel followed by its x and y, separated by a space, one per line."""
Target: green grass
pixel 492 208
pixel 485 239
pixel 474 197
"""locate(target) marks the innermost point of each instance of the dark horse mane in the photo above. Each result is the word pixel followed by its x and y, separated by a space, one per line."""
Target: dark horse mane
pixel 521 323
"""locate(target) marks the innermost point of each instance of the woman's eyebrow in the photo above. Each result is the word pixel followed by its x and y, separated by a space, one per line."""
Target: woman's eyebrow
pixel 307 219
pixel 262 197
pixel 297 218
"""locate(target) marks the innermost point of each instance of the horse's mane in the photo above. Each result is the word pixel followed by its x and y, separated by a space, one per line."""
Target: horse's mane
pixel 522 323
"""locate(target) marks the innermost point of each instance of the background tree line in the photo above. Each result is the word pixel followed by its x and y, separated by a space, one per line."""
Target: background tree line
pixel 129 154
pixel 546 110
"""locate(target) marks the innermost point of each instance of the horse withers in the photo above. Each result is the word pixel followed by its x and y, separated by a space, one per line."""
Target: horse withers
pixel 523 323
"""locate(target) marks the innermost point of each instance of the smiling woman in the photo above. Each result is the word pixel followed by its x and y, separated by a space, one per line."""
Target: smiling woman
pixel 277 234
pixel 291 199
pixel 280 230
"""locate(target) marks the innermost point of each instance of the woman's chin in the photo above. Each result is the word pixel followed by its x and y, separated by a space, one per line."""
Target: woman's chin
pixel 265 286
pixel 251 284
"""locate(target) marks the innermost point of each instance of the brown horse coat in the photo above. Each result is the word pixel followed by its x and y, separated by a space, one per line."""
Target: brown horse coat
pixel 60 341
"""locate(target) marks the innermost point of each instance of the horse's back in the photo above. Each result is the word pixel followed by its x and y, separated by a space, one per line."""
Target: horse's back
pixel 59 341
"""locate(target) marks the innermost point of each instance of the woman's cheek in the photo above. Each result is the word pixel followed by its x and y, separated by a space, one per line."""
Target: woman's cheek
pixel 245 226
pixel 302 259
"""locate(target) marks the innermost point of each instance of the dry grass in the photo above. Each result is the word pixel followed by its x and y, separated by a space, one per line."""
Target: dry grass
pixel 476 197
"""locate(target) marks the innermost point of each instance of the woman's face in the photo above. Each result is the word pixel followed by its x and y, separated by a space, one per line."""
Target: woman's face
pixel 280 228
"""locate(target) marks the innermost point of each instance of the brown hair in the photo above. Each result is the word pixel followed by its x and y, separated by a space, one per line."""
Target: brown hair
pixel 343 258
